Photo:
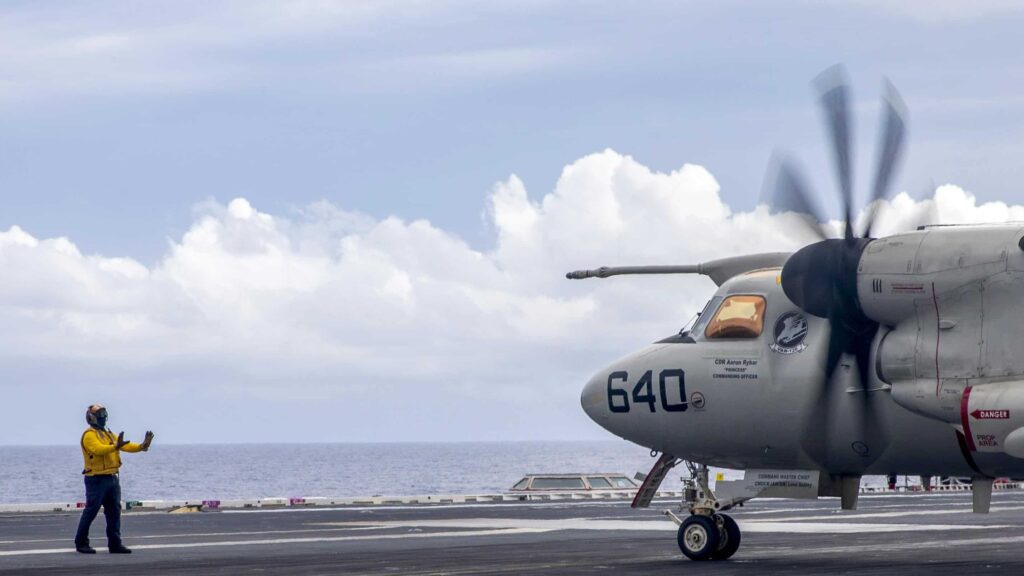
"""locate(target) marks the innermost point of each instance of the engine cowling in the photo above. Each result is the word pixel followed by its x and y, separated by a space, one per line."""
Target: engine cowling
pixel 897 274
pixel 949 299
pixel 992 418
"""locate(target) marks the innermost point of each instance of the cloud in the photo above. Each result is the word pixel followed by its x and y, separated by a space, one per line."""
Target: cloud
pixel 60 52
pixel 392 329
pixel 939 11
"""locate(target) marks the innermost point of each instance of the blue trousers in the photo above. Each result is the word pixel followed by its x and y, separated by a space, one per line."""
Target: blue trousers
pixel 101 491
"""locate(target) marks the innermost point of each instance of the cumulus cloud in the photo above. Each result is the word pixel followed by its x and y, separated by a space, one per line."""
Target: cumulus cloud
pixel 389 328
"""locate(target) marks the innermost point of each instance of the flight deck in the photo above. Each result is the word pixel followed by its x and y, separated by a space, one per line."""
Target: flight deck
pixel 933 533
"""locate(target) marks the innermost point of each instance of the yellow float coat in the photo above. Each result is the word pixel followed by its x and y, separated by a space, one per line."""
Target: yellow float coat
pixel 100 453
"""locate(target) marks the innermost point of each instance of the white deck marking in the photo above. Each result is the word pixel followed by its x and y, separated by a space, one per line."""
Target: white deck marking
pixel 352 528
pixel 894 548
pixel 778 527
pixel 546 504
pixel 273 541
pixel 770 526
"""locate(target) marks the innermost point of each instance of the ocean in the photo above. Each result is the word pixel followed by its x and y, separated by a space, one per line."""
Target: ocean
pixel 234 471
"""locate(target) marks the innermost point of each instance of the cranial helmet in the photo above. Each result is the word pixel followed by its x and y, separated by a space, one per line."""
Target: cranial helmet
pixel 96 416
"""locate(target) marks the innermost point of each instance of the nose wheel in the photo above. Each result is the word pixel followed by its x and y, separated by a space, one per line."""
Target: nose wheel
pixel 729 533
pixel 715 537
pixel 698 537
pixel 707 533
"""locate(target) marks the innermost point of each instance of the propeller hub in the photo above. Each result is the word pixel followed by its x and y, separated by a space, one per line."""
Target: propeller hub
pixel 821 279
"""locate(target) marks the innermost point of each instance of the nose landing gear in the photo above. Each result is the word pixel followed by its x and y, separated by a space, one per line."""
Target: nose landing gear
pixel 706 534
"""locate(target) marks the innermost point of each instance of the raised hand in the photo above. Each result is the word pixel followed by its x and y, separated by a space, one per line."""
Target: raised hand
pixel 148 440
pixel 121 441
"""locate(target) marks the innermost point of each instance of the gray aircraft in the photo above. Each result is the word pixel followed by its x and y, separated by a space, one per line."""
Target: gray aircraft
pixel 853 356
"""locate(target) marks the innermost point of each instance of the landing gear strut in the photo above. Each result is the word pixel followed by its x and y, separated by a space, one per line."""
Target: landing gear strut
pixel 706 534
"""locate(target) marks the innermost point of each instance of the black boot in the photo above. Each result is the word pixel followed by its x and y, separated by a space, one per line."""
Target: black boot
pixel 84 548
pixel 119 549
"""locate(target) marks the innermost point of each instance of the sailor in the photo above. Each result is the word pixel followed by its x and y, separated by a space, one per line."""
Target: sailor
pixel 101 452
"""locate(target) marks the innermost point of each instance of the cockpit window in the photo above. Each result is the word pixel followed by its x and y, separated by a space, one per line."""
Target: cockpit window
pixel 737 317
pixel 705 316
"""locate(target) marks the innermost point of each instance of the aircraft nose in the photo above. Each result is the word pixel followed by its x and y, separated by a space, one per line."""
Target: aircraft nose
pixel 594 400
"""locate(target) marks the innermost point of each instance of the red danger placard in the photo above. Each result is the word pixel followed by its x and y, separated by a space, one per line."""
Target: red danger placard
pixel 991 414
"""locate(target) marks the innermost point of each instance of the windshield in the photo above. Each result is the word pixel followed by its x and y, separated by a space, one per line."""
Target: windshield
pixel 705 316
pixel 741 316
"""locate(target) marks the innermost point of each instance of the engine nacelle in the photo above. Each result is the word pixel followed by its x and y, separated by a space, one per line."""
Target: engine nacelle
pixel 950 317
pixel 898 274
pixel 938 400
pixel 992 417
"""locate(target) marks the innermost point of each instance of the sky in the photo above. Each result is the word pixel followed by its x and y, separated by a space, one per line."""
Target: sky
pixel 323 221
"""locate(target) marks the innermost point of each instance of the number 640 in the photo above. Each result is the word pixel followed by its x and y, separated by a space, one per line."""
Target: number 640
pixel 643 390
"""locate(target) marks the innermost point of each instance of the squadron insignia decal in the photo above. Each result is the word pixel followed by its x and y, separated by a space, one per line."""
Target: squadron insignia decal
pixel 790 331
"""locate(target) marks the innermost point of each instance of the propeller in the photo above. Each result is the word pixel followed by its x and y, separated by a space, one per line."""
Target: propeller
pixel 821 278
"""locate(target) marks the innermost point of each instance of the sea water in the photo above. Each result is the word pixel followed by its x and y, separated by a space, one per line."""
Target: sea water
pixel 237 471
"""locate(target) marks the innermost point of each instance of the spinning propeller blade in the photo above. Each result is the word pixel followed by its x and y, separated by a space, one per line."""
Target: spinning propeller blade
pixel 894 126
pixel 832 87
pixel 790 193
pixel 821 278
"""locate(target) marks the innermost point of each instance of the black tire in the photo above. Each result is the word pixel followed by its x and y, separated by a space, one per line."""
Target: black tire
pixel 698 537
pixel 729 538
